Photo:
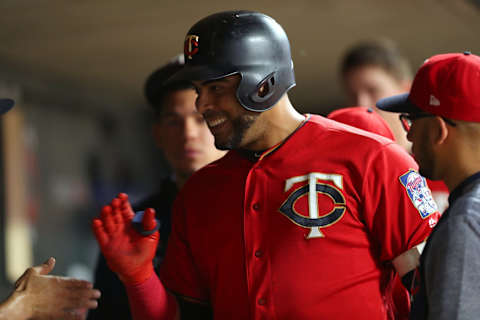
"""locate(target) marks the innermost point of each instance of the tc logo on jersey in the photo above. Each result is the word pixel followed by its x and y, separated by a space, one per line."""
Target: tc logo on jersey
pixel 313 188
pixel 190 46
pixel 419 193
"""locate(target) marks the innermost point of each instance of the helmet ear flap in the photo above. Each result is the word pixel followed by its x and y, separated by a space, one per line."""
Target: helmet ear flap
pixel 264 89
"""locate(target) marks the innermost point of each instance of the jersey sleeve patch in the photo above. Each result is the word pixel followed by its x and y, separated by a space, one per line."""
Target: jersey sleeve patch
pixel 419 193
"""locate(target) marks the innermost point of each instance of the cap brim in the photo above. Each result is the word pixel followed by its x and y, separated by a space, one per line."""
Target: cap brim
pixel 5 105
pixel 399 103
pixel 199 73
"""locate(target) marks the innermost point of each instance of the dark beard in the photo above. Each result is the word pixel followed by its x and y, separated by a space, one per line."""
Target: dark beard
pixel 426 160
pixel 240 126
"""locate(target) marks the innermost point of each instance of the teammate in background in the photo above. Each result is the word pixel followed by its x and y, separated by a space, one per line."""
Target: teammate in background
pixel 304 218
pixel 187 144
pixel 376 69
pixel 40 296
pixel 442 116
pixel 373 70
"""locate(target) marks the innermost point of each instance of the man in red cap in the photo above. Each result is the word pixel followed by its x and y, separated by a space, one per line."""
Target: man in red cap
pixel 442 116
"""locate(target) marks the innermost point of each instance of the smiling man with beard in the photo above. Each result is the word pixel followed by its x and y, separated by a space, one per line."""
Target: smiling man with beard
pixel 304 217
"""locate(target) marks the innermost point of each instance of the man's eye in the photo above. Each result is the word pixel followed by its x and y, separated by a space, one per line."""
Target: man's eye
pixel 215 88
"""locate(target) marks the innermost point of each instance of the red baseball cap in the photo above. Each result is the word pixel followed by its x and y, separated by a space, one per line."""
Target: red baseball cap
pixel 363 118
pixel 446 85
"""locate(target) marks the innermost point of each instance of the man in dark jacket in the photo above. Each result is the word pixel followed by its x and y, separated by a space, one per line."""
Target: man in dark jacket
pixel 187 144
pixel 442 117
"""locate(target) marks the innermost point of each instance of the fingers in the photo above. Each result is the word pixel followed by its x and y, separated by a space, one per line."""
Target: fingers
pixel 148 221
pixel 126 208
pixel 116 205
pixel 46 267
pixel 75 284
pixel 82 298
pixel 21 282
pixel 113 219
pixel 99 232
pixel 107 218
pixel 72 293
pixel 43 269
pixel 123 196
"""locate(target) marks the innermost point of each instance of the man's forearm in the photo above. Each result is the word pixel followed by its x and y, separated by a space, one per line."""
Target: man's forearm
pixel 150 301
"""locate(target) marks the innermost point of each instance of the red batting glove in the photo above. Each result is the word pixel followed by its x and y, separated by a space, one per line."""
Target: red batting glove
pixel 128 253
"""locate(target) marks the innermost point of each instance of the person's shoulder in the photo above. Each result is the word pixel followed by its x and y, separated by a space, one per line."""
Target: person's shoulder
pixel 331 131
pixel 159 200
pixel 213 169
pixel 461 223
pixel 467 206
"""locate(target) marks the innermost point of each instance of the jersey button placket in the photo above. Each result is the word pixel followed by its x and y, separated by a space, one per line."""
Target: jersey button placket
pixel 254 235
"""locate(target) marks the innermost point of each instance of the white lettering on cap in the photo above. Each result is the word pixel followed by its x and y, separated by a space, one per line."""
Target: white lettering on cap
pixel 434 101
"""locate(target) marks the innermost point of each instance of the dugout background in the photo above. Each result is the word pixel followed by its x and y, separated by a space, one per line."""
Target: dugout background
pixel 80 131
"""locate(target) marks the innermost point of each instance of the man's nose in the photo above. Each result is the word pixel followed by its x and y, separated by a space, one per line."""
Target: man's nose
pixel 202 102
pixel 190 128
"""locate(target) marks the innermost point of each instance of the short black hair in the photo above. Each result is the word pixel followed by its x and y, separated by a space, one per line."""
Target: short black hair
pixel 381 53
pixel 157 87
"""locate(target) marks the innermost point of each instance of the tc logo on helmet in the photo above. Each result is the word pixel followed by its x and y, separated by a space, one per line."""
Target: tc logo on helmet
pixel 191 46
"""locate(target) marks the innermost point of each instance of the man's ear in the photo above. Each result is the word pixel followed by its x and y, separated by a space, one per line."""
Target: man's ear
pixel 441 131
pixel 157 134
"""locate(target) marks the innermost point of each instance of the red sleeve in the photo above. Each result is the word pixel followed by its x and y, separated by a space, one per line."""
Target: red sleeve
pixel 178 271
pixel 149 300
pixel 399 209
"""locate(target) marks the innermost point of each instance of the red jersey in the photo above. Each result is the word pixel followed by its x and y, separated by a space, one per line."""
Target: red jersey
pixel 305 232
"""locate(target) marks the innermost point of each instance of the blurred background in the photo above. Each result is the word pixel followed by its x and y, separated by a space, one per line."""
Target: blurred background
pixel 80 132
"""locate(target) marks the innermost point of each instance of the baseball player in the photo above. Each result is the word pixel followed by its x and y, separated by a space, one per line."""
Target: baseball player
pixel 304 218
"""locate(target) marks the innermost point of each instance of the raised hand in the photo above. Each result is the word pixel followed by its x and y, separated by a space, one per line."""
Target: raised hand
pixel 128 253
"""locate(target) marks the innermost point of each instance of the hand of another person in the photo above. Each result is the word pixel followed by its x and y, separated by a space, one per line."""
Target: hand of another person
pixel 128 253
pixel 38 296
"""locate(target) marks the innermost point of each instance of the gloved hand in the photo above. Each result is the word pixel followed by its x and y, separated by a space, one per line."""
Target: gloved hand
pixel 39 296
pixel 127 253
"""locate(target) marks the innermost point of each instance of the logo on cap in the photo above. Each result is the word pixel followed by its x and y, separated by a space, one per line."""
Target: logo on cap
pixel 434 101
pixel 191 46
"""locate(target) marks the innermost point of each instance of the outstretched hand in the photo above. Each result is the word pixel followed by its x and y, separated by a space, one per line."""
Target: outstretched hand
pixel 40 296
pixel 128 253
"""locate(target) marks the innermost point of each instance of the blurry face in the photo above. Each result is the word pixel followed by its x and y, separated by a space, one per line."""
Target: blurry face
pixel 232 125
pixel 366 85
pixel 183 135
